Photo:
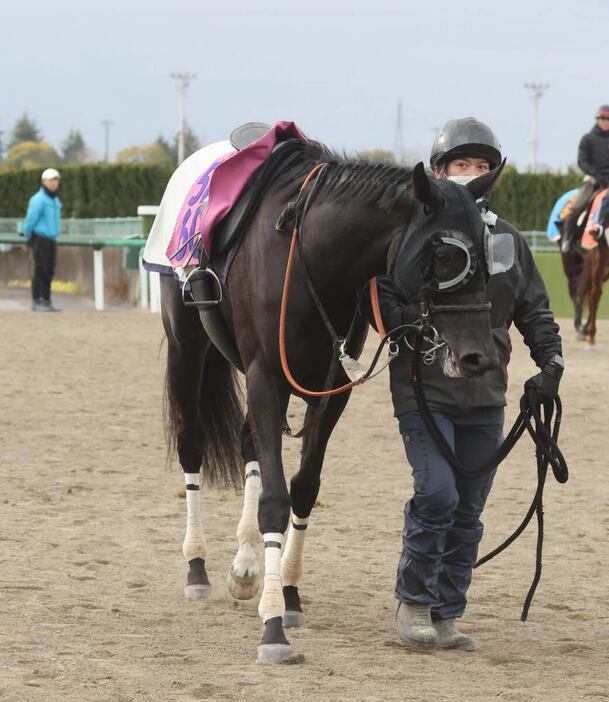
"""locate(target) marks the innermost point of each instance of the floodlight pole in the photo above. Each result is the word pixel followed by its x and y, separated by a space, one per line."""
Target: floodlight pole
pixel 536 90
pixel 107 124
pixel 398 148
pixel 184 80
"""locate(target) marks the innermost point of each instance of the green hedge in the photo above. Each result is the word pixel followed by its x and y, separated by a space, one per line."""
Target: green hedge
pixel 98 190
pixel 526 199
pixel 104 190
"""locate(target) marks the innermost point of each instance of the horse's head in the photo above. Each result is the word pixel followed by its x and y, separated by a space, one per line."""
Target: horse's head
pixel 443 261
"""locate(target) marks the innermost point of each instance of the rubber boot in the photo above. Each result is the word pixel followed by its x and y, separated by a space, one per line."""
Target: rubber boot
pixel 415 626
pixel 450 637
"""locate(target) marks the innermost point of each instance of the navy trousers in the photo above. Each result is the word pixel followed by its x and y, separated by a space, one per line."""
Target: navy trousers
pixel 44 251
pixel 442 527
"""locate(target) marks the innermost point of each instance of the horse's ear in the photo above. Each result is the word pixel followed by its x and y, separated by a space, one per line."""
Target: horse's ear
pixel 484 184
pixel 425 190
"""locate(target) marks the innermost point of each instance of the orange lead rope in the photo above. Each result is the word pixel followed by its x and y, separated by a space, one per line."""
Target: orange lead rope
pixel 283 313
pixel 376 308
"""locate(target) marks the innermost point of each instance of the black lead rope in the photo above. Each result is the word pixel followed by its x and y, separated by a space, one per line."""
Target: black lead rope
pixel 545 438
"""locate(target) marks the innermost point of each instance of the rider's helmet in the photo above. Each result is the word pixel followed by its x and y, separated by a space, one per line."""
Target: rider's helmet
pixel 462 138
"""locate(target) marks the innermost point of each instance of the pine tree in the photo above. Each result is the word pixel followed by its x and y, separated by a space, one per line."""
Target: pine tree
pixel 73 149
pixel 167 148
pixel 25 129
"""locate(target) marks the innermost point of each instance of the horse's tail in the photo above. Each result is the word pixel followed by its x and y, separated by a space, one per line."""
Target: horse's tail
pixel 218 423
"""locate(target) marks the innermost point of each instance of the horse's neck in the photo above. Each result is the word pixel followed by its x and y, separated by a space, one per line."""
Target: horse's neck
pixel 345 246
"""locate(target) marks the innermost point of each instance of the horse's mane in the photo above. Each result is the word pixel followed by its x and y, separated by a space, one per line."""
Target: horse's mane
pixel 378 184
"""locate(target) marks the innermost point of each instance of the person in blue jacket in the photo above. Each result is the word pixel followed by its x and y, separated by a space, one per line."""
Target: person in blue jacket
pixel 41 228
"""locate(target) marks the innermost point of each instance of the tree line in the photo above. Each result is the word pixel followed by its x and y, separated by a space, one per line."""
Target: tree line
pixel 26 148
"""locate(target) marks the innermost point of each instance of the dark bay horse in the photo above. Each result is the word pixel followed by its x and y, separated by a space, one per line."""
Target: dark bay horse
pixel 586 271
pixel 360 214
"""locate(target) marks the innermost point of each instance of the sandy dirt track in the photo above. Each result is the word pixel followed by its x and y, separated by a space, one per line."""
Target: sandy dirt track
pixel 91 524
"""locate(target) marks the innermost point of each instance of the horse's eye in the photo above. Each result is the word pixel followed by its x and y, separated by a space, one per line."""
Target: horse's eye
pixel 448 262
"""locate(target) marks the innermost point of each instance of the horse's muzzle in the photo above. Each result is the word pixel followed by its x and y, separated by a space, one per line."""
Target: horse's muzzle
pixel 473 363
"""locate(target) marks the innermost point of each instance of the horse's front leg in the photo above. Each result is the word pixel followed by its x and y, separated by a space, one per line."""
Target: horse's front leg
pixel 304 489
pixel 580 295
pixel 267 400
pixel 243 575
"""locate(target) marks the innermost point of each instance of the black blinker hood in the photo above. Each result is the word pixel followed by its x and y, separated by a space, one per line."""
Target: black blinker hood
pixel 455 210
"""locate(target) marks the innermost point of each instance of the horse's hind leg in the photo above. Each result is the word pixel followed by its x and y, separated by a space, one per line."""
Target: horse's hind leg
pixel 304 489
pixel 187 346
pixel 243 575
pixel 598 258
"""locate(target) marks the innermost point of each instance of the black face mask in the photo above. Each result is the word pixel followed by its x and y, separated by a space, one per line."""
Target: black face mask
pixel 50 192
pixel 446 244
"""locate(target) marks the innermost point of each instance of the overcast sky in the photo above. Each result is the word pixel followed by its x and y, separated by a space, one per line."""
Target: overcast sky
pixel 335 67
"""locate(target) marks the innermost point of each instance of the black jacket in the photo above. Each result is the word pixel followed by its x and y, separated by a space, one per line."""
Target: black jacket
pixel 518 296
pixel 593 155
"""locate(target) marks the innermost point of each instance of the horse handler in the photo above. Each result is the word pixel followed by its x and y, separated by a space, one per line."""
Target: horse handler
pixel 442 527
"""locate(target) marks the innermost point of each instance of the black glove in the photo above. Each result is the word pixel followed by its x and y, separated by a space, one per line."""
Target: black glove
pixel 545 384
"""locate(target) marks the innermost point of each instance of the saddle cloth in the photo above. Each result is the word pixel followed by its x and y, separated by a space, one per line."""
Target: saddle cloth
pixel 172 202
pixel 562 207
pixel 589 241
pixel 200 195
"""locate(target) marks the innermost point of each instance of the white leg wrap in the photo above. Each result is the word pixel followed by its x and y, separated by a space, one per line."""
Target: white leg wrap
pixel 271 602
pixel 245 563
pixel 247 530
pixel 194 545
pixel 291 563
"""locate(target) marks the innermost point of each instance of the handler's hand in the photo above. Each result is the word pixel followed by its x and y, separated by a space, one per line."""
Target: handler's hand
pixel 545 383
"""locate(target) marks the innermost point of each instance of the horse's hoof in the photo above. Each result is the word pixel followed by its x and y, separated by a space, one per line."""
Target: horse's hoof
pixel 590 347
pixel 242 588
pixel 293 619
pixel 274 653
pixel 196 592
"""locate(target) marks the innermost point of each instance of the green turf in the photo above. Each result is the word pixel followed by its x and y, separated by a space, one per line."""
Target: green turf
pixel 550 267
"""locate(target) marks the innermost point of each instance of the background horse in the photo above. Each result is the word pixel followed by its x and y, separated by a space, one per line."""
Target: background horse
pixel 357 213
pixel 586 268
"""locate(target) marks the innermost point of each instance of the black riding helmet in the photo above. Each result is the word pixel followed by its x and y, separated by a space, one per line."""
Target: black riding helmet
pixel 462 138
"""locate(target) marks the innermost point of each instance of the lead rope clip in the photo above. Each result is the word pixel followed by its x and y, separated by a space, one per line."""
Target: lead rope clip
pixel 353 369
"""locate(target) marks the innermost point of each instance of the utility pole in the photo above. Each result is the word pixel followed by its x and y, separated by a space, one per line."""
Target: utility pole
pixel 536 91
pixel 398 147
pixel 184 80
pixel 107 124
